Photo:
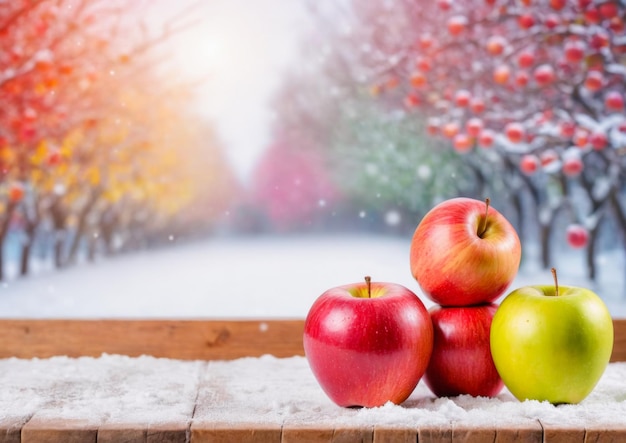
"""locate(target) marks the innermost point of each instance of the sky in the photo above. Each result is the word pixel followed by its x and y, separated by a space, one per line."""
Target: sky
pixel 241 48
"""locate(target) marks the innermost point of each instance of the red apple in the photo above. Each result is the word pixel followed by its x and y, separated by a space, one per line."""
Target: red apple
pixel 423 64
pixel 526 21
pixel 418 80
pixel 574 51
pixel 613 101
pixel 368 343
pixel 594 80
pixel 557 4
pixel 577 236
pixel 426 41
pixel 548 157
pixel 581 137
pixel 464 252
pixel 616 24
pixel 572 167
pixel 486 138
pixel 474 126
pixel 496 44
pixel 608 10
pixel 567 129
pixel 462 98
pixel 522 78
pixel 477 105
pixel 462 143
pixel 525 59
pixel 457 24
pixel 529 164
pixel 544 75
pixel 432 126
pixel 445 5
pixel 411 101
pixel 551 21
pixel 599 39
pixel 450 129
pixel 515 132
pixel 501 74
pixel 592 15
pixel 461 361
pixel 598 140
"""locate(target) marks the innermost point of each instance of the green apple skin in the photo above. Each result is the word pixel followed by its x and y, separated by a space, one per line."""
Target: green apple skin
pixel 548 347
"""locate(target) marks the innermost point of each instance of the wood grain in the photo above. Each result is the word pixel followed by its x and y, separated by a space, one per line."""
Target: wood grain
pixel 11 429
pixel 619 344
pixel 384 434
pixel 54 430
pixel 178 339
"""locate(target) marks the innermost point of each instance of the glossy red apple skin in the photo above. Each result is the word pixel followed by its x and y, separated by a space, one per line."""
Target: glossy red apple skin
pixel 456 267
pixel 461 361
pixel 368 351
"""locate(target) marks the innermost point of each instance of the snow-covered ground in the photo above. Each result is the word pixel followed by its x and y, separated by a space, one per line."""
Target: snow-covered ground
pixel 246 277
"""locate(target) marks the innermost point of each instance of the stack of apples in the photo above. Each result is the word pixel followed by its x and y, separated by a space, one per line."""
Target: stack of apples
pixel 464 255
pixel 370 343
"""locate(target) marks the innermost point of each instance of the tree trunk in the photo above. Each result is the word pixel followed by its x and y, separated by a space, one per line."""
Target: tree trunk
pixel 30 229
pixel 4 230
pixel 591 251
pixel 620 217
pixel 519 216
pixel 80 229
pixel 544 235
pixel 58 223
pixel 25 259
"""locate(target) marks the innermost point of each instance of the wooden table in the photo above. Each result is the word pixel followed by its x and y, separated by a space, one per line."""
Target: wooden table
pixel 215 411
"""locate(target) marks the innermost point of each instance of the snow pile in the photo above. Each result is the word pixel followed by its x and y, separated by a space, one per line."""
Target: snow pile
pixel 256 277
pixel 265 390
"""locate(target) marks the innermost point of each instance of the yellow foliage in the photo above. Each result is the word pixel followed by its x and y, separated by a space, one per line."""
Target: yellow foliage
pixel 92 174
pixel 40 153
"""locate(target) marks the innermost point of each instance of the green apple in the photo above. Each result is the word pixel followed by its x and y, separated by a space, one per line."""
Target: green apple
pixel 551 343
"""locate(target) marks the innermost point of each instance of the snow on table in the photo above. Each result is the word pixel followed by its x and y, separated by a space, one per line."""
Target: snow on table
pixel 114 395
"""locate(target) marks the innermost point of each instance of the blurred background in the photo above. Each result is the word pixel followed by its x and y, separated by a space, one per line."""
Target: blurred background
pixel 128 127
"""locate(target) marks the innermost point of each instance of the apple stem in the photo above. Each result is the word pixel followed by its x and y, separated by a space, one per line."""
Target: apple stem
pixel 556 282
pixel 368 282
pixel 483 223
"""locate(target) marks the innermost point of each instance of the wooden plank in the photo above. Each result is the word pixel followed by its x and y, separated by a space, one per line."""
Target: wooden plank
pixel 435 434
pixel 178 339
pixel 530 431
pixel 388 434
pixel 344 434
pixel 54 430
pixel 143 433
pixel 174 432
pixel 463 434
pixel 619 344
pixel 296 432
pixel 605 433
pixel 11 429
pixel 222 432
pixel 126 433
pixel 310 432
pixel 555 432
